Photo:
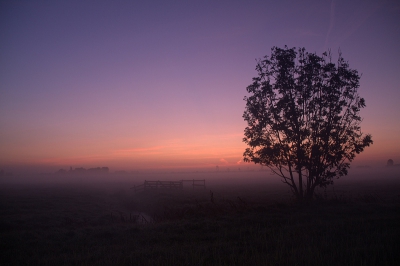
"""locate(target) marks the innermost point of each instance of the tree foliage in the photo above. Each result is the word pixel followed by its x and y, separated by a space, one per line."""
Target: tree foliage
pixel 303 118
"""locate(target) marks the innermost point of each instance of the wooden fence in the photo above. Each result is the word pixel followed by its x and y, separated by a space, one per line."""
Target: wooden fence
pixel 196 183
pixel 170 185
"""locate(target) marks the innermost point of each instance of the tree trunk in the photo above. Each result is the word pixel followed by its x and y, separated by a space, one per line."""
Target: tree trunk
pixel 301 184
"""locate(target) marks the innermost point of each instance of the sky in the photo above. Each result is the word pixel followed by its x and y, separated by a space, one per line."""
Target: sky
pixel 160 84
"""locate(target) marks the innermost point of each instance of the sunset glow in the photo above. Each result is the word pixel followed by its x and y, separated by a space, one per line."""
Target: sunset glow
pixel 152 85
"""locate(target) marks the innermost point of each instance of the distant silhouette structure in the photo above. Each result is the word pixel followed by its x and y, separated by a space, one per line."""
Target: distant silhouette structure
pixel 61 171
pixel 303 118
pixel 81 170
pixel 390 163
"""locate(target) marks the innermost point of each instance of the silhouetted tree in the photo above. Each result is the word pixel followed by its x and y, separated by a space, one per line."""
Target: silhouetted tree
pixel 390 162
pixel 303 118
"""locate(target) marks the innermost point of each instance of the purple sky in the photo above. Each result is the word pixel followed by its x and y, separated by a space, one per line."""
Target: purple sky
pixel 144 84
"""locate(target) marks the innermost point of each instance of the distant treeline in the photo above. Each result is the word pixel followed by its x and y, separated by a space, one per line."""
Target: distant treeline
pixel 390 163
pixel 81 170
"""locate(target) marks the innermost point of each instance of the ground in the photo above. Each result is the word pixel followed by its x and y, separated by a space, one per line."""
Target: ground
pixel 102 224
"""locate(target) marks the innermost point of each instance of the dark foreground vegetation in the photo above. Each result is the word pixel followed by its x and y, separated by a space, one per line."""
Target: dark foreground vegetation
pixel 93 225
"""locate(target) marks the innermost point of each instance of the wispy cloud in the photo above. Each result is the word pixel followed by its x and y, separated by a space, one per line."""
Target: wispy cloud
pixel 222 160
pixel 123 152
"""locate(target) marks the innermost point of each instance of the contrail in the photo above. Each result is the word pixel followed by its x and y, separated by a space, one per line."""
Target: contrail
pixel 357 19
pixel 331 23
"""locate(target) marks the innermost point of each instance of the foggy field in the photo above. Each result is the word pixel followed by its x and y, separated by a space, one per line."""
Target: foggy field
pixel 250 218
pixel 139 132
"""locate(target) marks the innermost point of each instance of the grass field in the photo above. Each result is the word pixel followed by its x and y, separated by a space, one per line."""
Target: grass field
pixel 88 224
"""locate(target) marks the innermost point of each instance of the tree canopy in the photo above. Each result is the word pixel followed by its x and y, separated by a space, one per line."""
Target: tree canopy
pixel 303 118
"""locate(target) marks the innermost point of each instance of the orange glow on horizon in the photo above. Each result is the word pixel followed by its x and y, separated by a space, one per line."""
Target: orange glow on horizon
pixel 205 151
